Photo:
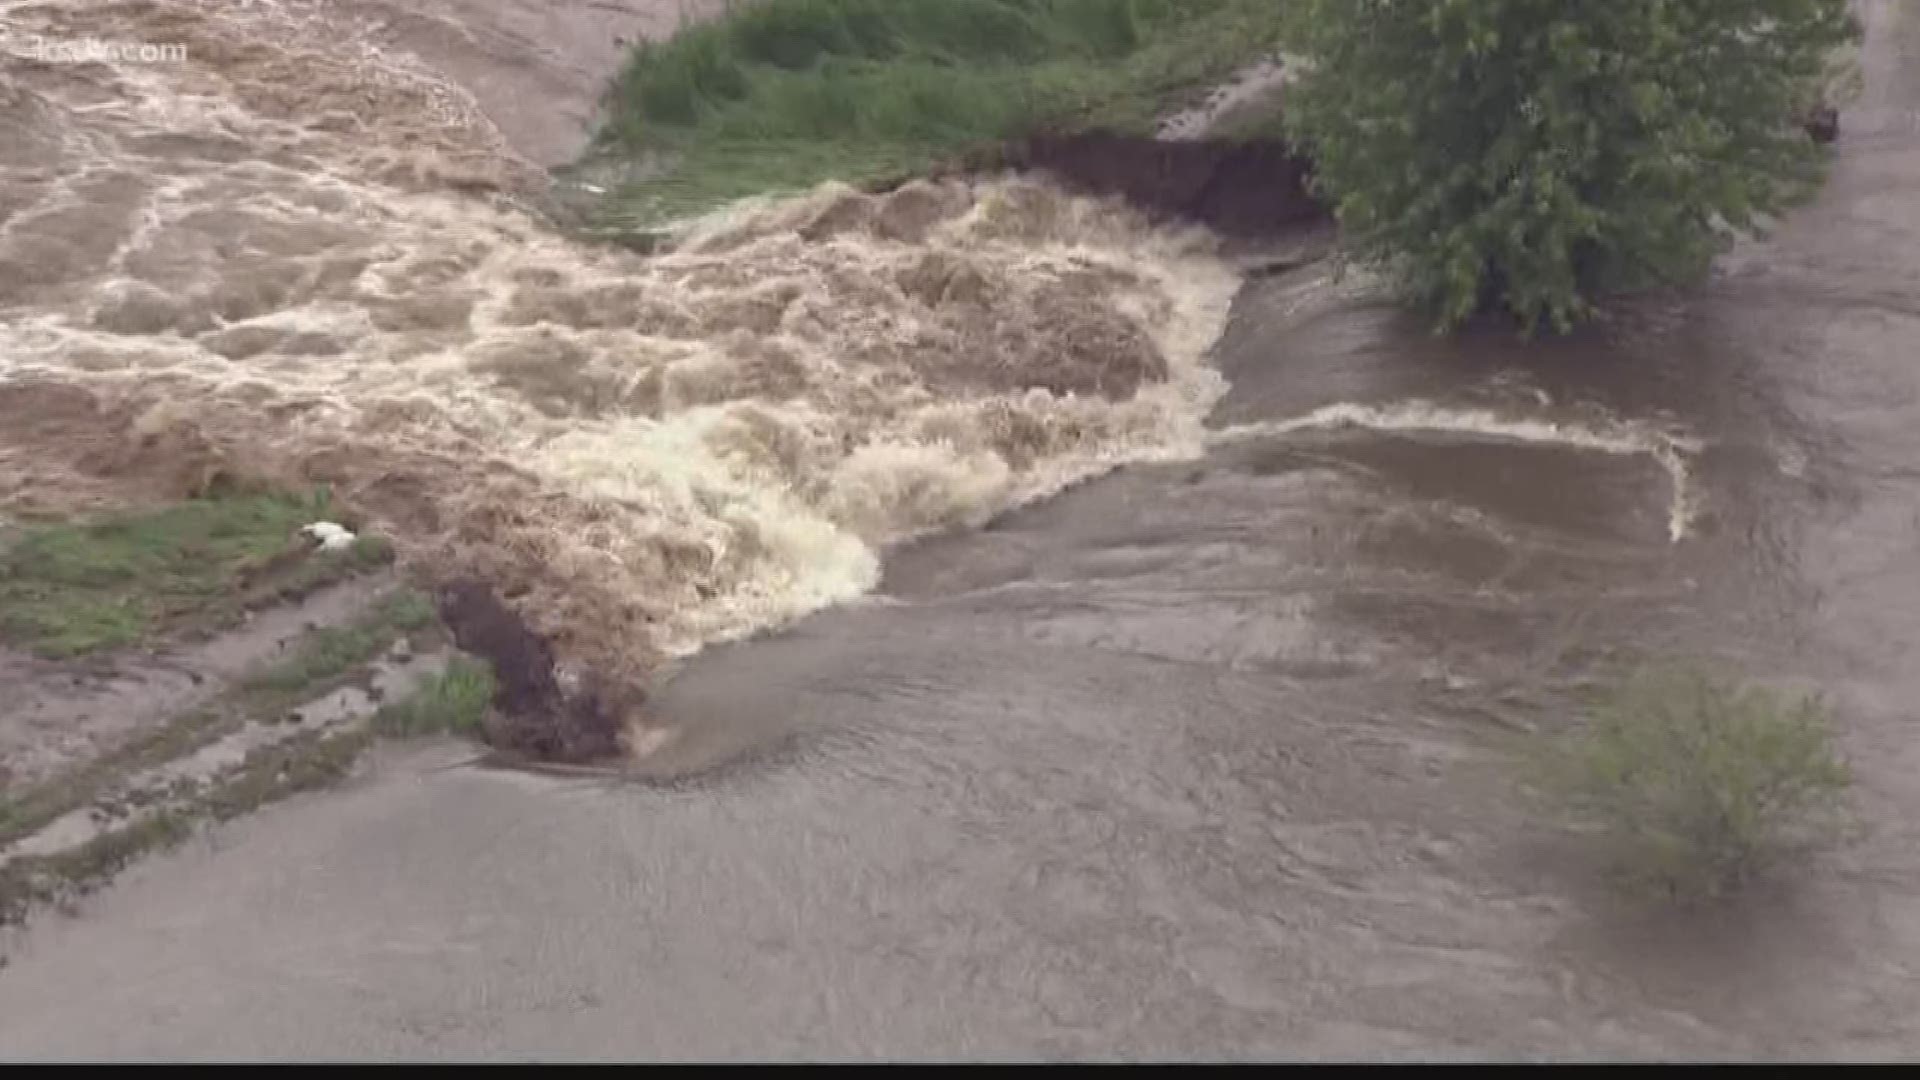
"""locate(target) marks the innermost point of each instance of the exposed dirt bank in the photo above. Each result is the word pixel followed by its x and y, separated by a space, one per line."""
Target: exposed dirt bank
pixel 1238 189
pixel 537 714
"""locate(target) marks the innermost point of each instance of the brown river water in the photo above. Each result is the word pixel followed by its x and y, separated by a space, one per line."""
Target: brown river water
pixel 1155 700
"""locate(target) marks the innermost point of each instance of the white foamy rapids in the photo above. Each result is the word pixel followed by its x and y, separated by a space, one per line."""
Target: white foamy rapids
pixel 1670 450
pixel 648 454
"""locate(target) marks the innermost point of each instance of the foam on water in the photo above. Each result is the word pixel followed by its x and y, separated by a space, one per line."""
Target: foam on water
pixel 1669 450
pixel 295 257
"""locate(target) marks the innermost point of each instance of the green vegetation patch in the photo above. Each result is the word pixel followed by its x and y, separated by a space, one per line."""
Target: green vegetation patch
pixel 71 589
pixel 783 94
pixel 1695 781
pixel 1532 158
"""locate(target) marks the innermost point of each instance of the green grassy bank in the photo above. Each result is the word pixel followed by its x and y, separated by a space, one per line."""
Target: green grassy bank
pixel 778 95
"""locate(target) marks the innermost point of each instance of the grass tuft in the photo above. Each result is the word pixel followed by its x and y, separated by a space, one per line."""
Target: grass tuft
pixel 454 702
pixel 329 652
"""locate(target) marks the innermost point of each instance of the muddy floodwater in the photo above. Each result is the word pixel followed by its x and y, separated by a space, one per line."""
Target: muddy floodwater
pixel 1210 755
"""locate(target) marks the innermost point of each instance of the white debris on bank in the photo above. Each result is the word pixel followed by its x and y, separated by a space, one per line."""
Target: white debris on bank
pixel 331 536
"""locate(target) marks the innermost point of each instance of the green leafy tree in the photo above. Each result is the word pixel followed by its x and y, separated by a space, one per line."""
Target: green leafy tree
pixel 1533 155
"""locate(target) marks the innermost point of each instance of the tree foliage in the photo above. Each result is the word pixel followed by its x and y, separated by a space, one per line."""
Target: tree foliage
pixel 1533 154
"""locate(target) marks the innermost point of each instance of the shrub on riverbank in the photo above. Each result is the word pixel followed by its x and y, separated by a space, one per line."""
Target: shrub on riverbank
pixel 1529 155
pixel 1697 782
pixel 781 94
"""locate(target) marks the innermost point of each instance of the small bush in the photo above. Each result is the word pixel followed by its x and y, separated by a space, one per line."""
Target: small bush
pixel 1699 782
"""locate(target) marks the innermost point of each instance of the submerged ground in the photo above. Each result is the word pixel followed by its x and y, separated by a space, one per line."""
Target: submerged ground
pixel 1209 757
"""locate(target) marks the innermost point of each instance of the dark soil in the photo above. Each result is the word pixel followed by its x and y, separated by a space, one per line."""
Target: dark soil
pixel 1249 189
pixel 1823 124
pixel 1242 189
pixel 534 715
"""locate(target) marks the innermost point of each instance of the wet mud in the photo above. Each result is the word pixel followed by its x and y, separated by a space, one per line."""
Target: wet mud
pixel 1252 189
